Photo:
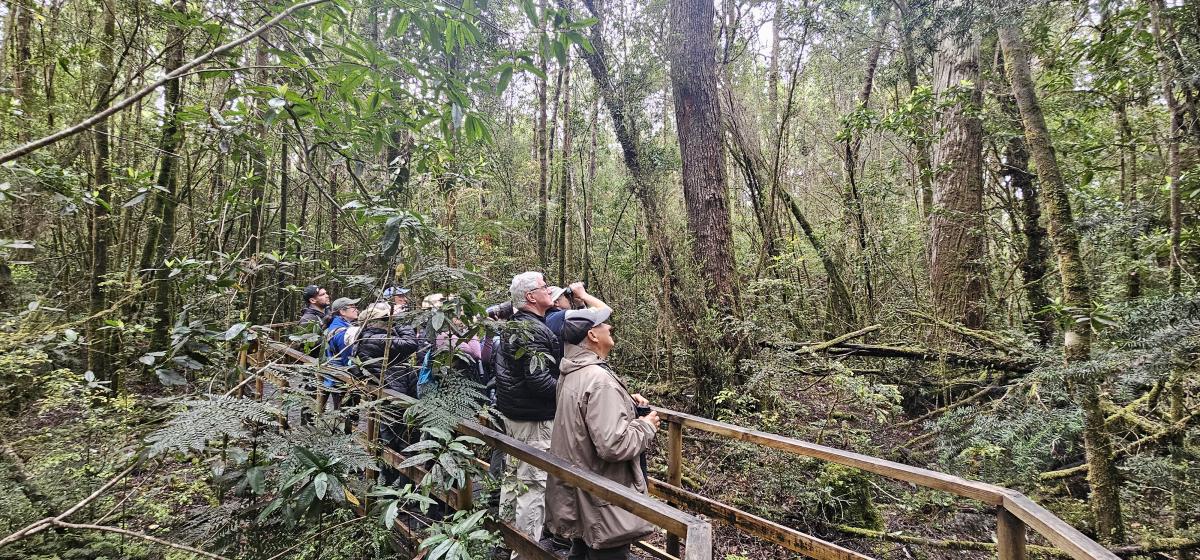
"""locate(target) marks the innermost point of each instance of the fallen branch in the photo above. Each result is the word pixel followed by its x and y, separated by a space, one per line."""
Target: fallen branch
pixel 43 524
pixel 136 534
pixel 1157 545
pixel 939 411
pixel 121 105
pixel 1000 363
pixel 1131 449
pixel 1127 415
pixel 947 544
pixel 989 338
pixel 848 336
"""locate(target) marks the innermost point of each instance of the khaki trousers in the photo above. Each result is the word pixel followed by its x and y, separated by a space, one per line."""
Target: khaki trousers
pixel 523 490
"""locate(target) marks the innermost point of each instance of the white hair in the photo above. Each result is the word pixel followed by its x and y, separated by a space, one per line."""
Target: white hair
pixel 522 284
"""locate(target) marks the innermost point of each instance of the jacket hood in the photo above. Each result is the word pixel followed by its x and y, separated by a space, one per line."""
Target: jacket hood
pixel 576 357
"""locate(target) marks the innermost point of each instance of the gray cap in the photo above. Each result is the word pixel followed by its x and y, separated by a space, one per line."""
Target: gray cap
pixel 577 323
pixel 556 292
pixel 342 303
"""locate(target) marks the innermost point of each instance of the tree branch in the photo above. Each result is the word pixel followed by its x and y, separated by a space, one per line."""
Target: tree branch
pixel 98 117
pixel 136 534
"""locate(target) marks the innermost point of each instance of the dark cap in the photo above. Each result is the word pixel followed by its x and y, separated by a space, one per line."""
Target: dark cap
pixel 311 291
pixel 578 322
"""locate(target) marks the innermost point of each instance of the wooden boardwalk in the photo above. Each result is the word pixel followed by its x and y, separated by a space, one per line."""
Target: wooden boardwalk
pixel 690 535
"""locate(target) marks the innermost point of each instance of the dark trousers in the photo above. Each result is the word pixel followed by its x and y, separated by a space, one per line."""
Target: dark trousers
pixel 581 551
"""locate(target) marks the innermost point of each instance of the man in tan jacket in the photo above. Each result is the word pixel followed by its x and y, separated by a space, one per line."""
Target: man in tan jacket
pixel 596 427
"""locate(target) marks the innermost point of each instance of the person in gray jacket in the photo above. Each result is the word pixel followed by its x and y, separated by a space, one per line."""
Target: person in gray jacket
pixel 596 427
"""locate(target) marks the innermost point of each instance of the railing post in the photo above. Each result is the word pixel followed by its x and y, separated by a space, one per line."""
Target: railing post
pixel 699 542
pixel 1010 535
pixel 674 471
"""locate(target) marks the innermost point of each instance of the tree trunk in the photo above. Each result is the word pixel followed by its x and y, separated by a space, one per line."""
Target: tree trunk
pixel 956 225
pixel 1033 260
pixel 1102 474
pixel 921 143
pixel 258 181
pixel 588 188
pixel 564 188
pixel 747 154
pixel 22 66
pixel 697 119
pixel 773 67
pixel 1162 37
pixel 100 230
pixel 543 158
pixel 698 123
pixel 161 235
pixel 281 295
pixel 855 215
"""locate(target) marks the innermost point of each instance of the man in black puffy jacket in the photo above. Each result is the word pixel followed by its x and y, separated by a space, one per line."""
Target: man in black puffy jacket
pixel 526 380
pixel 384 345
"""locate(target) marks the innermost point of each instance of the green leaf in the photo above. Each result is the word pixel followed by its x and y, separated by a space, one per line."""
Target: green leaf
pixel 530 11
pixel 505 77
pixel 321 485
pixel 390 513
pixel 416 460
pixel 233 331
pixel 257 479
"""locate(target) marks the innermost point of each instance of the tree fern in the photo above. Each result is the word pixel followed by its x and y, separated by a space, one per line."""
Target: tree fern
pixel 208 419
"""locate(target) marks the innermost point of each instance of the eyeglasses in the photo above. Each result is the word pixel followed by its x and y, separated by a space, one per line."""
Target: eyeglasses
pixel 546 287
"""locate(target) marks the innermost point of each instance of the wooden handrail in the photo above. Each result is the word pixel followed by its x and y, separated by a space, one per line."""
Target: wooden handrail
pixel 1015 511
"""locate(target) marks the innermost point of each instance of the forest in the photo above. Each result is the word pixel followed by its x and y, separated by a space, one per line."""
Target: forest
pixel 961 235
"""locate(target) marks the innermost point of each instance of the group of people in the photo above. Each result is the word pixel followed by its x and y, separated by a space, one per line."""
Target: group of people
pixel 547 374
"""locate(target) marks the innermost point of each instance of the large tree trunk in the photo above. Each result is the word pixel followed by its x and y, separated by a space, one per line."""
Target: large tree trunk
pixel 1159 26
pixel 100 224
pixel 956 225
pixel 698 121
pixel 1102 474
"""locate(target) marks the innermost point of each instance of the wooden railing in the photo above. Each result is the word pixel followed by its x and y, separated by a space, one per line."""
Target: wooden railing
pixel 1015 513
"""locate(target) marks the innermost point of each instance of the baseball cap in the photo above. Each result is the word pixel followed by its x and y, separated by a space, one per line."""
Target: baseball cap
pixel 394 291
pixel 342 303
pixel 311 291
pixel 556 292
pixel 577 323
pixel 375 311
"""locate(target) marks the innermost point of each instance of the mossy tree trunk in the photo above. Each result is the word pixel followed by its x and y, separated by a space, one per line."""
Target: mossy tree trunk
pixel 1102 473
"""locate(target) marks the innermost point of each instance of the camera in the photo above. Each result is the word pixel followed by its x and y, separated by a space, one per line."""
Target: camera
pixel 500 311
pixel 641 410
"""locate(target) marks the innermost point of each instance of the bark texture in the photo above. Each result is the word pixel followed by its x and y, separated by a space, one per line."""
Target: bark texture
pixel 956 272
pixel 698 122
pixel 1102 474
